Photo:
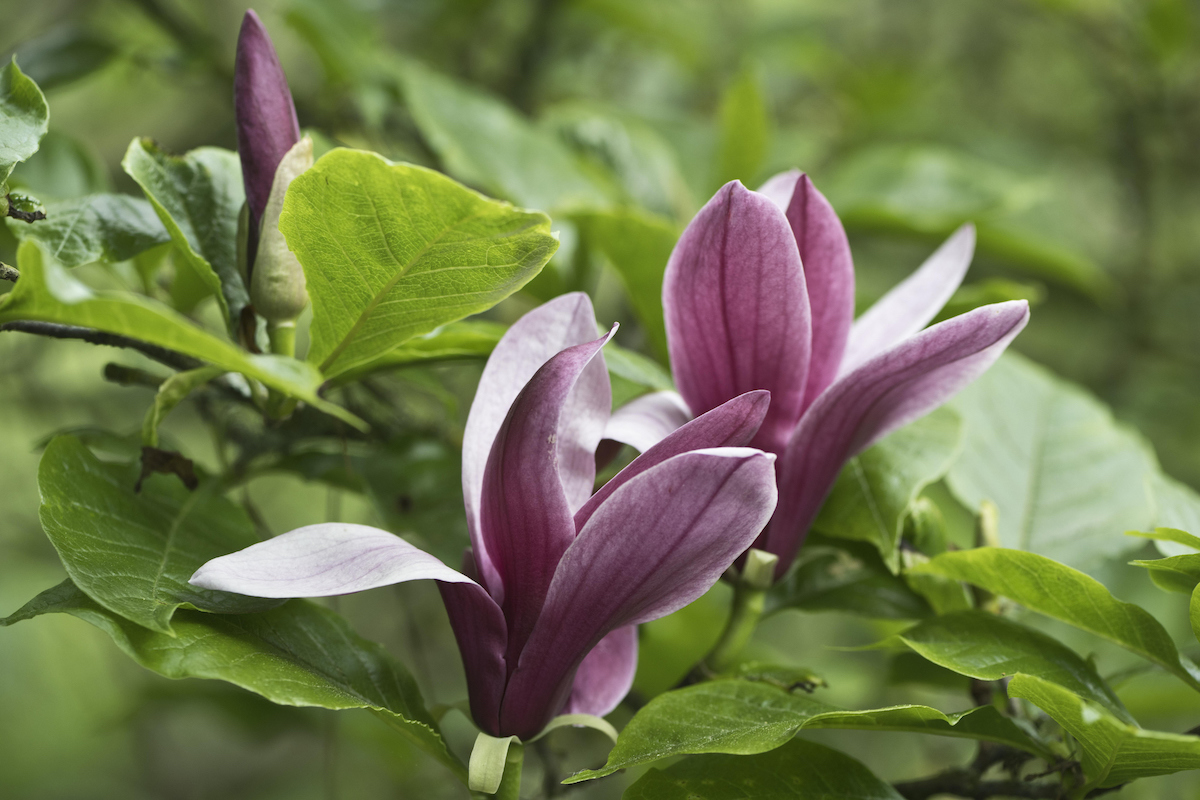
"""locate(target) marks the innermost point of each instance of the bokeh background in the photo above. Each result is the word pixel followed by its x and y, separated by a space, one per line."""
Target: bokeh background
pixel 1065 129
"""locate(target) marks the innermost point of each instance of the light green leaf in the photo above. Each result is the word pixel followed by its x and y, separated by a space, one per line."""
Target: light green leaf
pixel 1174 573
pixel 799 770
pixel 637 245
pixel 392 251
pixel 1066 478
pixel 1056 590
pixel 1112 751
pixel 198 197
pixel 23 118
pixel 134 552
pixel 875 489
pixel 47 293
pixel 171 393
pixel 745 129
pixel 485 143
pixel 991 648
pixel 100 227
pixel 299 654
pixel 634 367
pixel 1176 506
pixel 746 717
pixel 466 339
pixel 834 580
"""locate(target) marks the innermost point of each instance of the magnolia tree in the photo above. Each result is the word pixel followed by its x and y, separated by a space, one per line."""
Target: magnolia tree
pixel 794 457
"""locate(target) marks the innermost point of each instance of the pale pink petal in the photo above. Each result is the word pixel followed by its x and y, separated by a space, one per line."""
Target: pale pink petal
pixel 644 421
pixel 605 675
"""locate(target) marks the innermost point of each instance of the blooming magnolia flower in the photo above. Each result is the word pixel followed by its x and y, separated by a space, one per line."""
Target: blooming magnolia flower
pixel 272 154
pixel 546 608
pixel 759 294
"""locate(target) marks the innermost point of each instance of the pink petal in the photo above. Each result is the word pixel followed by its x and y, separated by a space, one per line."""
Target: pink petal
pixel 531 342
pixel 659 542
pixel 525 518
pixel 732 424
pixel 913 302
pixel 890 390
pixel 644 421
pixel 482 636
pixel 605 675
pixel 737 311
pixel 780 188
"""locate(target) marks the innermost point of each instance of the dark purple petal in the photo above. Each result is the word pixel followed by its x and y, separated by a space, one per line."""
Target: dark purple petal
pixel 644 421
pixel 525 518
pixel 659 542
pixel 482 637
pixel 913 302
pixel 737 311
pixel 266 117
pixel 531 342
pixel 732 424
pixel 890 390
pixel 605 675
pixel 829 278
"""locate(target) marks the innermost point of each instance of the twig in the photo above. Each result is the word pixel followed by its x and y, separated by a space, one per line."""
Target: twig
pixel 55 331
pixel 8 273
pixel 967 784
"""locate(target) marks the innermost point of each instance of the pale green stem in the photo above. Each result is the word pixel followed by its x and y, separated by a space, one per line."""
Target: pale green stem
pixel 749 600
pixel 510 784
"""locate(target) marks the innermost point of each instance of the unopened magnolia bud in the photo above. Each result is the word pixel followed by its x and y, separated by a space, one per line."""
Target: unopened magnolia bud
pixel 277 287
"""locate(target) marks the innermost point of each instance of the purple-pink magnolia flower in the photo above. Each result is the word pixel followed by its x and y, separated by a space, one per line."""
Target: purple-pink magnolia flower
pixel 558 577
pixel 759 294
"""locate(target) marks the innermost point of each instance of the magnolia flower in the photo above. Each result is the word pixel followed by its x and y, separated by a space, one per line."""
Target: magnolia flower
pixel 557 577
pixel 272 154
pixel 759 294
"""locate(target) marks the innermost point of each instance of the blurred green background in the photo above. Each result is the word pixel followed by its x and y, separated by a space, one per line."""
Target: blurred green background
pixel 1065 129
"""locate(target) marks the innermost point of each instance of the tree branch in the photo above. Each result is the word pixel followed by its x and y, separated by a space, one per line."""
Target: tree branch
pixel 162 355
pixel 8 273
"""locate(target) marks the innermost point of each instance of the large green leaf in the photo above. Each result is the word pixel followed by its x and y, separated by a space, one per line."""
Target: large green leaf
pixel 458 340
pixel 23 118
pixel 99 227
pixel 133 552
pixel 874 490
pixel 1112 751
pixel 799 770
pixel 1066 478
pixel 198 197
pixel 47 293
pixel 392 251
pixel 638 246
pixel 299 654
pixel 829 579
pixel 1056 590
pixel 484 142
pixel 745 717
pixel 991 648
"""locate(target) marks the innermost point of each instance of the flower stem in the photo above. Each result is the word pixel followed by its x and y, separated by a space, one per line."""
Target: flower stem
pixel 749 599
pixel 283 343
pixel 510 784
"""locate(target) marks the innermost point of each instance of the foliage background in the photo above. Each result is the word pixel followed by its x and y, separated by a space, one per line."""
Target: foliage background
pixel 1064 128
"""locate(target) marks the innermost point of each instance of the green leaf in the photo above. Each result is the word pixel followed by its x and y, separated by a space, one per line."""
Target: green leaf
pixel 637 245
pixel 1174 573
pixel 834 580
pixel 198 197
pixel 991 648
pixel 745 129
pixel 1056 590
pixel 1065 477
pixel 875 489
pixel 133 553
pixel 63 167
pixel 171 393
pixel 799 770
pixel 485 143
pixel 23 118
pixel 100 227
pixel 392 251
pixel 1112 751
pixel 634 367
pixel 746 717
pixel 299 654
pixel 47 293
pixel 1178 507
pixel 468 339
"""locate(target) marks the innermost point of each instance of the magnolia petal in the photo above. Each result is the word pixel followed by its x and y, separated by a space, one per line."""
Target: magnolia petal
pixel 737 311
pixel 266 117
pixel 645 421
pixel 659 542
pixel 780 188
pixel 525 519
pixel 482 636
pixel 605 675
pixel 323 560
pixel 829 278
pixel 890 390
pixel 732 424
pixel 277 285
pixel 531 342
pixel 913 302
